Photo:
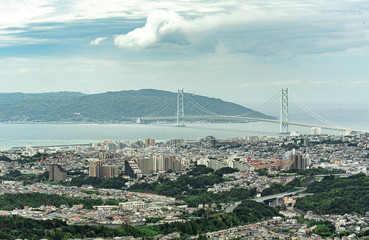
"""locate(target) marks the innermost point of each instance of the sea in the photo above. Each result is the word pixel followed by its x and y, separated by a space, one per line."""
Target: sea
pixel 47 134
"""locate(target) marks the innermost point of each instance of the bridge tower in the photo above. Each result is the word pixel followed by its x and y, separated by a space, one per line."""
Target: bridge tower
pixel 180 108
pixel 284 112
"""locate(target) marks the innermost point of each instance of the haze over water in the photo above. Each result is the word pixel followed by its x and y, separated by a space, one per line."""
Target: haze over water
pixel 17 135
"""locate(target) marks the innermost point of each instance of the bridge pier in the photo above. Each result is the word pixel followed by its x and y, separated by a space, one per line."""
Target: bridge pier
pixel 180 109
pixel 284 112
pixel 276 202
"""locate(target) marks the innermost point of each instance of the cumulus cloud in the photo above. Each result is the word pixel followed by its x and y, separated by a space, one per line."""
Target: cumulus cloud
pixel 277 29
pixel 162 27
pixel 98 40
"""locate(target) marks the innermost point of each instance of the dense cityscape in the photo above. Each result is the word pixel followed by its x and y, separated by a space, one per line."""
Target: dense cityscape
pixel 253 187
pixel 135 120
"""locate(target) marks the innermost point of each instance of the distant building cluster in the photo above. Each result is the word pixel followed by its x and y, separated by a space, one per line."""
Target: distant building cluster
pixel 149 142
pixel 272 164
pixel 218 163
pixel 295 161
pixel 97 169
pixel 145 166
pixel 158 163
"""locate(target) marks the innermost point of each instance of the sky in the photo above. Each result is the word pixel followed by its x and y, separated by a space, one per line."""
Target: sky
pixel 242 51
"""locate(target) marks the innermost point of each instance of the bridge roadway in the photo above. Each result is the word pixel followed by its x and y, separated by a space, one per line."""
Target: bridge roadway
pixel 278 196
pixel 250 119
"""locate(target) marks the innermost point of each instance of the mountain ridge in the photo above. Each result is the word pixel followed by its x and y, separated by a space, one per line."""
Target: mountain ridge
pixel 112 106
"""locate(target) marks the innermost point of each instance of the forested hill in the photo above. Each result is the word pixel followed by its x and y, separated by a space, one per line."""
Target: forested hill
pixel 110 106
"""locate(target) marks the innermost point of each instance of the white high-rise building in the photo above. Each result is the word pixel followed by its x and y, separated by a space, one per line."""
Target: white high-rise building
pixel 159 163
pixel 295 134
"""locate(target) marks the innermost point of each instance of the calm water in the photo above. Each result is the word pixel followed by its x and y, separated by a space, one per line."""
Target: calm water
pixel 16 135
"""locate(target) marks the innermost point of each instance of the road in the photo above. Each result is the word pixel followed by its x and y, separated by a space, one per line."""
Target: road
pixel 231 207
pixel 279 195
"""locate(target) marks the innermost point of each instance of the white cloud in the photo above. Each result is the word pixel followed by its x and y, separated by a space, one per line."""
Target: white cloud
pixel 21 12
pixel 32 15
pixel 280 28
pixel 161 27
pixel 98 40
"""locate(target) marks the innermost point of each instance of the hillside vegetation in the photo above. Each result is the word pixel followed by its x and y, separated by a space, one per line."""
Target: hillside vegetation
pixel 108 107
pixel 337 196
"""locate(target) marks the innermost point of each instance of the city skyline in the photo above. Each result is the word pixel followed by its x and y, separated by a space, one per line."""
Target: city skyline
pixel 233 50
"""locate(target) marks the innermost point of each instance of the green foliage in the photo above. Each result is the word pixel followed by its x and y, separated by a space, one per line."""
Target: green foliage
pixel 153 219
pixel 302 220
pixel 91 192
pixel 35 158
pixel 16 175
pixel 325 229
pixel 337 196
pixel 185 184
pixel 290 146
pixel 52 182
pixel 112 202
pixel 225 170
pixel 364 234
pixel 200 170
pixel 315 171
pixel 11 201
pixel 5 159
pixel 246 212
pixel 330 141
pixel 192 188
pixel 262 172
pixel 13 227
pixel 148 230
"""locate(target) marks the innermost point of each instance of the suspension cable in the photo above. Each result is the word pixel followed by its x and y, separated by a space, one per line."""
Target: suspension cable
pixel 196 104
pixel 312 113
pixel 191 100
pixel 163 107
pixel 272 99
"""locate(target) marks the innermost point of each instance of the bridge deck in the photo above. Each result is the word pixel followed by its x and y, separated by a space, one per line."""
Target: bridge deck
pixel 251 119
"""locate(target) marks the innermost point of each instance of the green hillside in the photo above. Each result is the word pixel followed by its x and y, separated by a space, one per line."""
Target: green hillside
pixel 109 107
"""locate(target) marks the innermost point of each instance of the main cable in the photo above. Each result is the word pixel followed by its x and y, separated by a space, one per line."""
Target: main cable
pixel 312 113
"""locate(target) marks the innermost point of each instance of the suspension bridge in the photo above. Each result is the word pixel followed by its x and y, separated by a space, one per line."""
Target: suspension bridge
pixel 283 121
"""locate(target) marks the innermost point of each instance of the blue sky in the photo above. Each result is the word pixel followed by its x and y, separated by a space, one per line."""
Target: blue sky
pixel 237 50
